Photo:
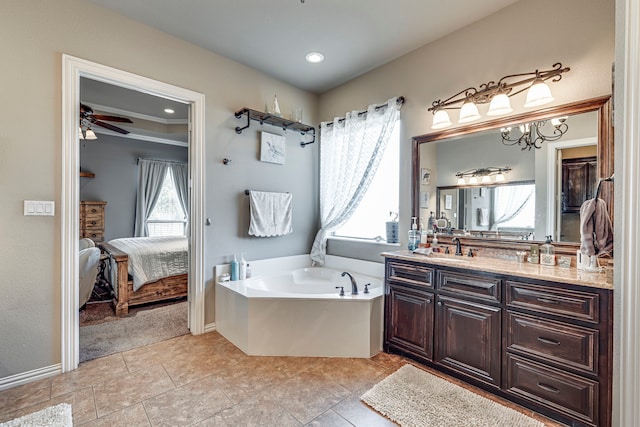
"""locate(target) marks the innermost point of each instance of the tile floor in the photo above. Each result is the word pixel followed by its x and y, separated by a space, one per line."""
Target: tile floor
pixel 206 381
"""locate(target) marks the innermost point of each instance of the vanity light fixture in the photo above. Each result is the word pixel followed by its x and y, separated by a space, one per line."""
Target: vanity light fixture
pixel 497 95
pixel 531 135
pixel 483 174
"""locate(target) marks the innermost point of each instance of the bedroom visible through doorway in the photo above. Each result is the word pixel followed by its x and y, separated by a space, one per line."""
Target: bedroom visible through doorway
pixel 134 203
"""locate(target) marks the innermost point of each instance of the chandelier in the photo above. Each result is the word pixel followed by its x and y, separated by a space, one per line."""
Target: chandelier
pixel 482 175
pixel 531 135
pixel 497 95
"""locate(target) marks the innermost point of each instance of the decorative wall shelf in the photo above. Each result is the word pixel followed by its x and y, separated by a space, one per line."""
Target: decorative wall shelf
pixel 273 120
pixel 84 174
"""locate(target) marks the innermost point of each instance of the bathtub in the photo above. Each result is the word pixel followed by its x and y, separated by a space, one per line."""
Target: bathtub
pixel 299 312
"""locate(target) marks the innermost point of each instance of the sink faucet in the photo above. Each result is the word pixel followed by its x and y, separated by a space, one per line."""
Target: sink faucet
pixel 458 246
pixel 354 286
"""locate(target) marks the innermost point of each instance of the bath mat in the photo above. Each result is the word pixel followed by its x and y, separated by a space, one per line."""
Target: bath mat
pixel 53 416
pixel 415 398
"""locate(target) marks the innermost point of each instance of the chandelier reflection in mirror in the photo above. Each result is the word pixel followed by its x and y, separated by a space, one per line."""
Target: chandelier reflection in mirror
pixel 482 175
pixel 497 95
pixel 531 135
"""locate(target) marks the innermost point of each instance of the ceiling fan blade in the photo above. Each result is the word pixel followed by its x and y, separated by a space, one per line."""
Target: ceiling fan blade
pixel 110 127
pixel 111 118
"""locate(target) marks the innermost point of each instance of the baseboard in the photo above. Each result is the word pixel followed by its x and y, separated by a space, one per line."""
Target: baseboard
pixel 209 327
pixel 30 376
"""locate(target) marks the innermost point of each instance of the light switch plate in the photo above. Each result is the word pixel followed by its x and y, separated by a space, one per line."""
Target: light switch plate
pixel 39 208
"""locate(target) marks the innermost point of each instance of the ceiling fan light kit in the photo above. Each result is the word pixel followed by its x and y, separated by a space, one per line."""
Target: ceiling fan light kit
pixel 497 95
pixel 88 119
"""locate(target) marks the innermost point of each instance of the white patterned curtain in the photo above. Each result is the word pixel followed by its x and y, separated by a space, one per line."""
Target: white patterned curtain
pixel 350 152
pixel 509 201
pixel 151 175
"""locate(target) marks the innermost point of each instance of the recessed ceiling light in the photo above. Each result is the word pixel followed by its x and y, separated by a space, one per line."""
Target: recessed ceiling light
pixel 169 110
pixel 314 57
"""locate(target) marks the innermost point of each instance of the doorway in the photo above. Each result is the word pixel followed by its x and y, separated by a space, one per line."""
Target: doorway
pixel 73 69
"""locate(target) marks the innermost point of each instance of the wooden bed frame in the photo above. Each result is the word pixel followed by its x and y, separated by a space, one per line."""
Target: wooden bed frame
pixel 163 289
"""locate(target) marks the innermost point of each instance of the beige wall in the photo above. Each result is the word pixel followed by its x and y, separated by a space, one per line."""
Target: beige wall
pixel 33 36
pixel 520 38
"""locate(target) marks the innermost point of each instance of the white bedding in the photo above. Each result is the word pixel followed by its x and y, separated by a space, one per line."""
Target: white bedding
pixel 152 258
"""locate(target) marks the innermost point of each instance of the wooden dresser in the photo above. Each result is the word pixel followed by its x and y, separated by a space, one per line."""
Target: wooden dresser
pixel 538 336
pixel 92 220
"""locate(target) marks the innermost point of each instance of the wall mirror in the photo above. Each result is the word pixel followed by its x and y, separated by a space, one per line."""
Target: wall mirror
pixel 539 190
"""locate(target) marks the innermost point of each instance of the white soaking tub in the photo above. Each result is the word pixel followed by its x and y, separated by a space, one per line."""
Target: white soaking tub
pixel 299 312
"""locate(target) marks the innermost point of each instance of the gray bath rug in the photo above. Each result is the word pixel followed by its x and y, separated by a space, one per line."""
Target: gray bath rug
pixel 146 327
pixel 415 398
pixel 53 416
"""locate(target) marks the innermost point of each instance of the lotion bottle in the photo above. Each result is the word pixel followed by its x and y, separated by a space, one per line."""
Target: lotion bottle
pixel 235 268
pixel 414 235
pixel 242 267
pixel 547 253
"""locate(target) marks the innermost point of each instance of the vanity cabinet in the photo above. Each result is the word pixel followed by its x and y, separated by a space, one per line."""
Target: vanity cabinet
pixel 542 344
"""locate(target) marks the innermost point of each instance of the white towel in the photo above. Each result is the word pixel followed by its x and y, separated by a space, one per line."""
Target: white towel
pixel 270 214
pixel 483 216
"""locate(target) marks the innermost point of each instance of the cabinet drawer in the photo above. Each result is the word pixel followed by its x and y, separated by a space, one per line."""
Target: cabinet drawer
pixel 568 345
pixel 560 302
pixel 93 221
pixel 566 393
pixel 96 236
pixel 485 288
pixel 410 274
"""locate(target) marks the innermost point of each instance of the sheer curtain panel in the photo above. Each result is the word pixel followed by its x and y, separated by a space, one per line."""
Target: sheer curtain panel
pixel 151 175
pixel 350 151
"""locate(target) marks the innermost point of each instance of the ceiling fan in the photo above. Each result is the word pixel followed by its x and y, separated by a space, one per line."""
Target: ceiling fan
pixel 88 119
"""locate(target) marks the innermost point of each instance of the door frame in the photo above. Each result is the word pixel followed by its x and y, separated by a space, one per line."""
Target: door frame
pixel 72 70
pixel 554 173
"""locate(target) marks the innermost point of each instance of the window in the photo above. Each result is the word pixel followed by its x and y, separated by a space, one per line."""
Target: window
pixel 382 197
pixel 515 206
pixel 167 218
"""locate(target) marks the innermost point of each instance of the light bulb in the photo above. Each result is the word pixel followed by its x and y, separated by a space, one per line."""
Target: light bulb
pixel 473 180
pixel 500 177
pixel 461 181
pixel 440 119
pixel 90 134
pixel 538 94
pixel 500 105
pixel 468 112
pixel 486 179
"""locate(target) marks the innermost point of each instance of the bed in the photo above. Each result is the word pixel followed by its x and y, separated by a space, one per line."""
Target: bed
pixel 146 269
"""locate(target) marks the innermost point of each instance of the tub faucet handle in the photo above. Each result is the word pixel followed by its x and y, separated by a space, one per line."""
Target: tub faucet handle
pixel 366 288
pixel 341 290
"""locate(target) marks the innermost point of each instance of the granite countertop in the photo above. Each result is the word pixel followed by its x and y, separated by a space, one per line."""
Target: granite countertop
pixel 496 265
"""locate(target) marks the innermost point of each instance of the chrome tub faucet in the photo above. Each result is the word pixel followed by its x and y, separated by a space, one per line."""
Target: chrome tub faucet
pixel 354 286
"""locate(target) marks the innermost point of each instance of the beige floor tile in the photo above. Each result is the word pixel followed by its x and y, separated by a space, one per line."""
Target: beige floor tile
pixel 132 416
pixel 352 374
pixel 25 395
pixel 89 373
pixel 329 419
pixel 81 401
pixel 188 404
pixel 196 365
pixel 389 361
pixel 153 354
pixel 360 415
pixel 140 385
pixel 308 394
pixel 257 411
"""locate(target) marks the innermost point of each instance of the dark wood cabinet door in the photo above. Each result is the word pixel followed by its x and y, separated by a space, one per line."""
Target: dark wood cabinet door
pixel 578 182
pixel 410 320
pixel 468 338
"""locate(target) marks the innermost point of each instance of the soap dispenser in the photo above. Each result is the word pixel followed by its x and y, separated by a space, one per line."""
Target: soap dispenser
pixel 414 235
pixel 547 253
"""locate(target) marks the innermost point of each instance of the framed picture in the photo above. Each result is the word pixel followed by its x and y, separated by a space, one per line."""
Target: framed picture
pixel 425 176
pixel 272 148
pixel 424 199
pixel 448 199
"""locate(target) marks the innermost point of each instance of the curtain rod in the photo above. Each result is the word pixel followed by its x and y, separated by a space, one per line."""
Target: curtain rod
pixel 399 101
pixel 161 160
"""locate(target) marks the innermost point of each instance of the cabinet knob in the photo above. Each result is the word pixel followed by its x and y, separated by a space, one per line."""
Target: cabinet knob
pixel 428 300
pixel 440 303
pixel 94 210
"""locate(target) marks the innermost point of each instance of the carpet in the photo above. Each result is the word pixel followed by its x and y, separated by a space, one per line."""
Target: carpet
pixel 146 327
pixel 53 416
pixel 415 398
